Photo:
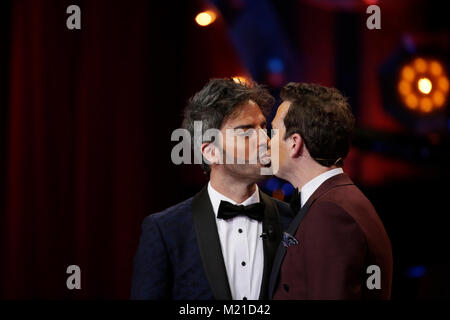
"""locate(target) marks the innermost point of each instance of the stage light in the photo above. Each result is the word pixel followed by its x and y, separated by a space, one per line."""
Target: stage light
pixel 275 65
pixel 240 79
pixel 278 194
pixel 287 189
pixel 426 104
pixel 408 73
pixel 435 68
pixel 438 99
pixel 205 18
pixel 416 271
pixel 443 84
pixel 273 184
pixel 404 87
pixel 420 65
pixel 411 101
pixel 423 85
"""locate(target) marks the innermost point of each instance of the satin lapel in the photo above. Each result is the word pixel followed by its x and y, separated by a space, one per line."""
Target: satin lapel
pixel 272 228
pixel 209 245
pixel 281 251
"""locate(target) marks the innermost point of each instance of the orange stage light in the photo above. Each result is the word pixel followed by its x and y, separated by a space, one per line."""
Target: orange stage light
pixel 240 79
pixel 205 18
pixel 423 85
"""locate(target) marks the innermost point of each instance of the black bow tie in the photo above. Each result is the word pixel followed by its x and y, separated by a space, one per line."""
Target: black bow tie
pixel 295 203
pixel 253 211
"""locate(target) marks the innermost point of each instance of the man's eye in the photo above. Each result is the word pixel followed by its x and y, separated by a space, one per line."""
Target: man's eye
pixel 242 132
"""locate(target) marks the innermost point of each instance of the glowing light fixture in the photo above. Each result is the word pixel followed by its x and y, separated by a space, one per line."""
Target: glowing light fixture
pixel 423 85
pixel 240 79
pixel 205 18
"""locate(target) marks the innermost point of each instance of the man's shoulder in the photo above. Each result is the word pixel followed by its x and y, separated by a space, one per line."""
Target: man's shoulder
pixel 177 212
pixel 344 205
pixel 350 199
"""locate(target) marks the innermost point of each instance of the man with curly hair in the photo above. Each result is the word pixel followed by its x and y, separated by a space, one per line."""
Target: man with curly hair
pixel 219 244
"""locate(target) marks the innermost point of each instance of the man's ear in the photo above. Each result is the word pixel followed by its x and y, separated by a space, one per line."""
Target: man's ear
pixel 209 152
pixel 296 144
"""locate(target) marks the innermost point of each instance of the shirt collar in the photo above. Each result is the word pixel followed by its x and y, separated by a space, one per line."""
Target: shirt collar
pixel 215 197
pixel 312 185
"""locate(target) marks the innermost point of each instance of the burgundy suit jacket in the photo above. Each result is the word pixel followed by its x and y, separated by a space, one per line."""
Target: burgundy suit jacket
pixel 339 236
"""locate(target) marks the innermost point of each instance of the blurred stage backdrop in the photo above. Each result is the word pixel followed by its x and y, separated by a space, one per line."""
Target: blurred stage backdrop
pixel 86 118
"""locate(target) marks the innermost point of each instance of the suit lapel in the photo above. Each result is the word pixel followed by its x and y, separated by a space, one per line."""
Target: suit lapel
pixel 281 252
pixel 209 245
pixel 272 228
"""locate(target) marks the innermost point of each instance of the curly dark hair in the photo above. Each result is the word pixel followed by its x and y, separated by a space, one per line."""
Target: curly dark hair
pixel 323 118
pixel 218 100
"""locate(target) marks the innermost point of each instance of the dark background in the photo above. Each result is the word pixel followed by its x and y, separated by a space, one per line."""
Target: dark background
pixel 86 118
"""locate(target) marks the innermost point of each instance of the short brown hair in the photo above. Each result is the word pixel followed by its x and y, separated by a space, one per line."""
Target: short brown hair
pixel 322 117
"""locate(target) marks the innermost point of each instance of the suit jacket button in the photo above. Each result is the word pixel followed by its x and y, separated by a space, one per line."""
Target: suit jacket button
pixel 285 287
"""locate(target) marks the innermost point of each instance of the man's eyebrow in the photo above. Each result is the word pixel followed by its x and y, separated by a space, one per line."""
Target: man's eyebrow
pixel 249 126
pixel 244 126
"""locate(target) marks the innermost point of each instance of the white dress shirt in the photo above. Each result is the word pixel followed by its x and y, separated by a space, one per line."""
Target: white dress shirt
pixel 242 248
pixel 312 185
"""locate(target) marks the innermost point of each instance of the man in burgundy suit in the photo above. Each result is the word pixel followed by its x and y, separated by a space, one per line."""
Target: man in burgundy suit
pixel 336 247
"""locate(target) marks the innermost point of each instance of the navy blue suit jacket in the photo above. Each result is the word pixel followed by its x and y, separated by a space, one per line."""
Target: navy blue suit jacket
pixel 179 254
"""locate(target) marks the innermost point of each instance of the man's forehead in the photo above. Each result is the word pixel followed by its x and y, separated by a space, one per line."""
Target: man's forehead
pixel 281 112
pixel 249 111
pixel 248 108
pixel 284 107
